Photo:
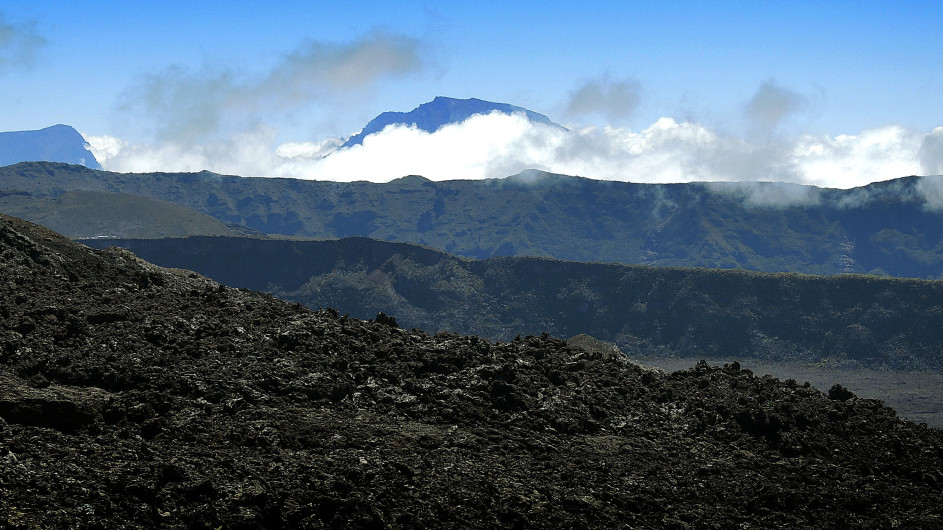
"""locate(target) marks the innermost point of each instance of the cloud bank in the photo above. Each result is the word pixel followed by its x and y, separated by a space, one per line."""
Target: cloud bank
pixel 19 44
pixel 216 120
pixel 498 145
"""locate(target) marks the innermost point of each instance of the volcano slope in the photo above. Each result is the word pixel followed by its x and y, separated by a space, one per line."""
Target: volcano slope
pixel 134 396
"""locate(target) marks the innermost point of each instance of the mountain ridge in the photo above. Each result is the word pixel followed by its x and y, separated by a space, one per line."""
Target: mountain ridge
pixel 104 214
pixel 884 228
pixel 850 320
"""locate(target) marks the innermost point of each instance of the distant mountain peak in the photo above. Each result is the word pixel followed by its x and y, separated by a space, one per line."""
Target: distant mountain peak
pixel 58 143
pixel 442 111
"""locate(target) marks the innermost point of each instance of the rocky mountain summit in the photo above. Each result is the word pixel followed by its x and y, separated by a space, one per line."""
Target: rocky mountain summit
pixel 440 112
pixel 58 143
pixel 138 397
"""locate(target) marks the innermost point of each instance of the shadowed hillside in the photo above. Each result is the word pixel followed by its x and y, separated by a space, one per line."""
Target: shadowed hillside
pixel 91 214
pixel 885 228
pixel 853 320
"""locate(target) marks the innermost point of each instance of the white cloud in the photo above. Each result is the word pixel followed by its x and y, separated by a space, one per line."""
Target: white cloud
pixel 248 154
pixel 931 160
pixel 770 194
pixel 104 147
pixel 498 145
pixel 480 147
pixel 308 150
pixel 847 161
pixel 931 152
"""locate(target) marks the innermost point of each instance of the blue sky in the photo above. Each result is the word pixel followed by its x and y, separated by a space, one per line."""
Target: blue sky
pixel 829 93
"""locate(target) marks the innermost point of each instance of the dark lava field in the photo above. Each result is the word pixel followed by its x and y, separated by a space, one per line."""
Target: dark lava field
pixel 138 397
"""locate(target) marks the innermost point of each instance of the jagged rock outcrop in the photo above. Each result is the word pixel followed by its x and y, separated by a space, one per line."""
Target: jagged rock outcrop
pixel 133 396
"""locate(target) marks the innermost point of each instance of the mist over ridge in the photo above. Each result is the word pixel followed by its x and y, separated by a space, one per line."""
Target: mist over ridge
pixel 450 138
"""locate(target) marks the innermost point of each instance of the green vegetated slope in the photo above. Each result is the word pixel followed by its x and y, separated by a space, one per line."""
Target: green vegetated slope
pixel 89 214
pixel 853 319
pixel 886 228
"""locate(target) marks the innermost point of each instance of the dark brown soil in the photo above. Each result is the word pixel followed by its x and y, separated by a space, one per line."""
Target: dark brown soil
pixel 139 397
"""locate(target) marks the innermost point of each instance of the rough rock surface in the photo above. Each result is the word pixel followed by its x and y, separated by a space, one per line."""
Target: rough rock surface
pixel 139 397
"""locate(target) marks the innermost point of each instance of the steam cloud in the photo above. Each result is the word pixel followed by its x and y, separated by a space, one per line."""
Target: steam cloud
pixel 614 100
pixel 19 44
pixel 189 106
pixel 931 152
pixel 931 159
pixel 771 105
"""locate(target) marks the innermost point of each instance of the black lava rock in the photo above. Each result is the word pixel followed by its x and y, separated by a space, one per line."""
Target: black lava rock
pixel 138 397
